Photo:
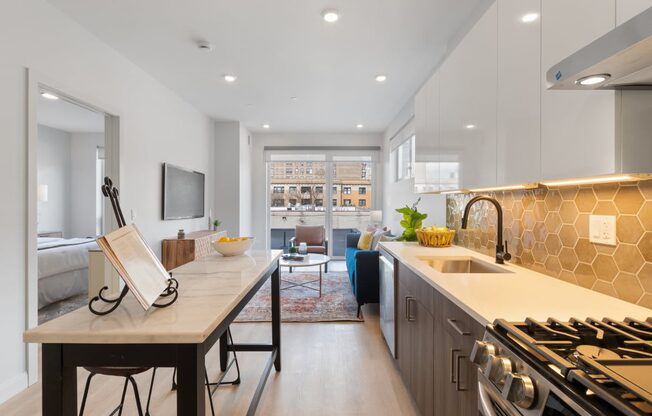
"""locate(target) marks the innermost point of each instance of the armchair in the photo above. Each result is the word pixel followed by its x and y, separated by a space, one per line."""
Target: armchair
pixel 315 238
pixel 363 269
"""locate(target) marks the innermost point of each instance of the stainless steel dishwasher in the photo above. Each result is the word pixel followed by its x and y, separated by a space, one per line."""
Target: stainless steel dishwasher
pixel 387 317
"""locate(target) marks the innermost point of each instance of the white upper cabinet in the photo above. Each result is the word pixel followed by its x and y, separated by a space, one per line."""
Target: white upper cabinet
pixel 426 115
pixel 519 91
pixel 626 9
pixel 468 82
pixel 577 127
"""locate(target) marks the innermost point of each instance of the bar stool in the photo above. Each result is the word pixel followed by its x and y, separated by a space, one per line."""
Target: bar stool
pixel 127 373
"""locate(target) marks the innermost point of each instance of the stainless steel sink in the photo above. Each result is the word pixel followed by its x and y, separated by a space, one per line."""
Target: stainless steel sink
pixel 462 265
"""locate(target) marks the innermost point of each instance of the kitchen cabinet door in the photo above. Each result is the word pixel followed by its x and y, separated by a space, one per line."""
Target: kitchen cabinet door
pixel 577 127
pixel 468 105
pixel 423 362
pixel 404 333
pixel 519 92
pixel 426 118
pixel 626 9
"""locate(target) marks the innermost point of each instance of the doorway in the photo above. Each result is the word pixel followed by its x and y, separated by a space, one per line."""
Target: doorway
pixel 71 145
pixel 333 189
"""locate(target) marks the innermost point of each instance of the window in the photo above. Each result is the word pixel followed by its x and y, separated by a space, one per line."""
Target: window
pixel 347 202
pixel 404 157
pixel 288 171
pixel 279 189
pixel 305 189
pixel 346 190
pixel 334 189
pixel 334 202
pixel 362 202
pixel 309 171
pixel 362 190
pixel 293 189
pixel 319 202
pixel 278 202
pixel 293 201
pixel 319 189
pixel 306 201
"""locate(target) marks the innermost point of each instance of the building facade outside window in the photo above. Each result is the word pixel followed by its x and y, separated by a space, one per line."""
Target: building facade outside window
pixel 362 190
pixel 347 202
pixel 362 203
pixel 346 190
pixel 279 189
pixel 319 202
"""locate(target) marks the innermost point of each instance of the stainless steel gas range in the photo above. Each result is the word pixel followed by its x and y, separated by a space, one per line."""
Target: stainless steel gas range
pixel 575 368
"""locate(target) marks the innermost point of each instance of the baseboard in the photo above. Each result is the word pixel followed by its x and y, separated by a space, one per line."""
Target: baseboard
pixel 13 386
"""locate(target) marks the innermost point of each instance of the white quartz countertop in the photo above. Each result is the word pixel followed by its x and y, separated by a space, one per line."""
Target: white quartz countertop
pixel 209 289
pixel 511 296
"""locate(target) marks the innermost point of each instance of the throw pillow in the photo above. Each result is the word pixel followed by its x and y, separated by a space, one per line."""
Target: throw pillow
pixel 364 243
pixel 376 239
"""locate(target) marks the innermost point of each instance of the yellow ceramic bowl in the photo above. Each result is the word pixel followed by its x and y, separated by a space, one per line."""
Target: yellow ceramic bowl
pixel 233 248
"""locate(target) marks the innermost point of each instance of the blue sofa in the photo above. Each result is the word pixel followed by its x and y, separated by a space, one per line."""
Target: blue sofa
pixel 362 266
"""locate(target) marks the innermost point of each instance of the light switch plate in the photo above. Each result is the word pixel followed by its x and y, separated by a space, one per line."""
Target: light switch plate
pixel 602 229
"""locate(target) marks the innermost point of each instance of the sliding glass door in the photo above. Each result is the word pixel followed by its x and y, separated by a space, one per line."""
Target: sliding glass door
pixel 331 189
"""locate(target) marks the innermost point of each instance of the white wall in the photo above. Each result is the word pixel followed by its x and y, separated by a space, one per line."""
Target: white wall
pixel 156 126
pixel 259 172
pixel 401 193
pixel 83 160
pixel 54 171
pixel 233 177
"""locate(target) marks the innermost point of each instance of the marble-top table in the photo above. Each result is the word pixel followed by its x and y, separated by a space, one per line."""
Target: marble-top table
pixel 212 291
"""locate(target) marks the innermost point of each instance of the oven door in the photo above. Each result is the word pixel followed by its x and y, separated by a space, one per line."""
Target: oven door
pixel 491 402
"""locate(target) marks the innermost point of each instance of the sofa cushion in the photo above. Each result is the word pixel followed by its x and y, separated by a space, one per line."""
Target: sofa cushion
pixel 350 264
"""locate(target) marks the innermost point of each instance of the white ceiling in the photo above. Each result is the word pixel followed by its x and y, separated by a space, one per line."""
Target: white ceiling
pixel 63 115
pixel 280 49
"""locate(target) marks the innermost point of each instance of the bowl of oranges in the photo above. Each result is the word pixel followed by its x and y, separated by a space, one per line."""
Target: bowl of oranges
pixel 233 246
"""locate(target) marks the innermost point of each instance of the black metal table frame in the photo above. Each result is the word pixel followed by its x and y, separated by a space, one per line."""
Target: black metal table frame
pixel 60 361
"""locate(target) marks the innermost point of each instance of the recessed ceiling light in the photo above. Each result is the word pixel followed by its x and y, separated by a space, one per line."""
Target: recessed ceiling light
pixel 529 17
pixel 381 78
pixel 49 96
pixel 330 15
pixel 593 79
pixel 470 126
pixel 359 126
pixel 266 126
pixel 230 78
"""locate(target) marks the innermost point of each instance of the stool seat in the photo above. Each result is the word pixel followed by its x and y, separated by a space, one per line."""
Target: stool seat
pixel 117 371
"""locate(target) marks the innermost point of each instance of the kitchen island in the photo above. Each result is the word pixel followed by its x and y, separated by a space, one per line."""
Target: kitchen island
pixel 441 313
pixel 212 292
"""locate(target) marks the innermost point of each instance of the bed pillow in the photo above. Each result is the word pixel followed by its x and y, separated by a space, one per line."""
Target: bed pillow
pixel 364 243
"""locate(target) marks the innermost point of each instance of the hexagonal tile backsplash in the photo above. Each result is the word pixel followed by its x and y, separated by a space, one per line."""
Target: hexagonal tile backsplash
pixel 547 230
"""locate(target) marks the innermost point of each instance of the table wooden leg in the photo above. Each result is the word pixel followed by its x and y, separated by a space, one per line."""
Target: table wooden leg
pixel 59 383
pixel 190 380
pixel 276 316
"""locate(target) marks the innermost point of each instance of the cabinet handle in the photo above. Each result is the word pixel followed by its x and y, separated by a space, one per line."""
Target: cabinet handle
pixel 453 323
pixel 453 361
pixel 457 373
pixel 408 310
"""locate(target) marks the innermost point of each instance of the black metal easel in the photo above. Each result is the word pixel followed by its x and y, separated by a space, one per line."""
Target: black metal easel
pixel 112 193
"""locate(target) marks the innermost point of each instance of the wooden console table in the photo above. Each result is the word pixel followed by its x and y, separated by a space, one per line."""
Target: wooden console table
pixel 196 245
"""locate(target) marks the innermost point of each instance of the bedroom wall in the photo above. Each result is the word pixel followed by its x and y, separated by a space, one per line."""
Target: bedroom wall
pixel 259 172
pixel 83 155
pixel 155 126
pixel 54 171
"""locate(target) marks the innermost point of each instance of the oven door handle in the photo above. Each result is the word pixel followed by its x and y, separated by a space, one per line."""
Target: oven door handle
pixel 486 407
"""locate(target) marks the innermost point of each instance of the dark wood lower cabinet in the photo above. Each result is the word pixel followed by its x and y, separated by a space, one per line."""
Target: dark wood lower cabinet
pixel 434 340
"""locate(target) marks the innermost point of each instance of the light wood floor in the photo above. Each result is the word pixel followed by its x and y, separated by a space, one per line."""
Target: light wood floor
pixel 328 369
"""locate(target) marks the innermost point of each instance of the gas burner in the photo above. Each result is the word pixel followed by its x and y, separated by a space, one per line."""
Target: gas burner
pixel 590 351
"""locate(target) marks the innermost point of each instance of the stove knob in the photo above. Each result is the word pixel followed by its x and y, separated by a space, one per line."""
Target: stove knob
pixel 481 352
pixel 498 368
pixel 520 390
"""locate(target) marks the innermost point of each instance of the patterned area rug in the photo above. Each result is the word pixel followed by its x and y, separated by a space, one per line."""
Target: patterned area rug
pixel 300 304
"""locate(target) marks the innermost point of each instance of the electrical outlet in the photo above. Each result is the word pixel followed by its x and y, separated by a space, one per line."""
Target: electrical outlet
pixel 133 215
pixel 602 229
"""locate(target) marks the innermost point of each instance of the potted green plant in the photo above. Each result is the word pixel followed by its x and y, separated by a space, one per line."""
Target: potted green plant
pixel 412 219
pixel 216 224
pixel 292 250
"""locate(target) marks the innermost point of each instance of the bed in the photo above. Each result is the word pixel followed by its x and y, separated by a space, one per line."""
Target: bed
pixel 62 268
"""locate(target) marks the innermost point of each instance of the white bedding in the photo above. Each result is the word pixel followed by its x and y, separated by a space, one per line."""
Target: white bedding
pixel 62 268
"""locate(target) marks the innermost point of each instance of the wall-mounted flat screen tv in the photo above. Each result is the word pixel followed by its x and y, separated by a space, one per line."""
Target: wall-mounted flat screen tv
pixel 183 193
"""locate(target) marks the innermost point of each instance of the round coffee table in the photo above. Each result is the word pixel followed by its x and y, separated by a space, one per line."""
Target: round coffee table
pixel 309 260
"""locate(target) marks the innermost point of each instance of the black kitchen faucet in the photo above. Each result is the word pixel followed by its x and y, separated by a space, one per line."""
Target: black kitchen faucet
pixel 502 254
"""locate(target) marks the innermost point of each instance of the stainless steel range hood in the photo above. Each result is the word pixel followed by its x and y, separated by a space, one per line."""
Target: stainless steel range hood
pixel 623 57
